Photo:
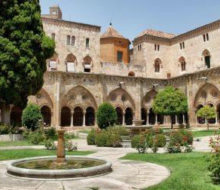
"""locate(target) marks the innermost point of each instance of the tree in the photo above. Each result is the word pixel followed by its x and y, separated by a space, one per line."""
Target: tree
pixel 170 102
pixel 106 116
pixel 31 116
pixel 207 112
pixel 24 49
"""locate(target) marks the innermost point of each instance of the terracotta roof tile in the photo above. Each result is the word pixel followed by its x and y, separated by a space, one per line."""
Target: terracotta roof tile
pixel 111 32
pixel 157 34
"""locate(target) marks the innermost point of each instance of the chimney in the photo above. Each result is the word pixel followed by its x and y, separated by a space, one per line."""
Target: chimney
pixel 55 12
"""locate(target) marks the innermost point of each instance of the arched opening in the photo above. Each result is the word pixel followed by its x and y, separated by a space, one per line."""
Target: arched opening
pixel 78 117
pixel 207 58
pixel 200 120
pixel 182 63
pixel 15 116
pixel 160 119
pixel 144 116
pixel 157 65
pixel 213 120
pixel 119 116
pixel 90 116
pixel 65 117
pixel 128 116
pixel 152 117
pixel 70 63
pixel 180 118
pixel 87 63
pixel 131 74
pixel 173 119
pixel 46 113
pixel 218 112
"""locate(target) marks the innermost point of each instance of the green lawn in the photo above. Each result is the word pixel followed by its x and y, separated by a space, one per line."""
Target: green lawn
pixel 204 133
pixel 18 154
pixel 188 171
pixel 15 143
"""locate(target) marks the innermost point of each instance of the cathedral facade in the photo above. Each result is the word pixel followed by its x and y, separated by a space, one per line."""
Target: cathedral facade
pixel 89 68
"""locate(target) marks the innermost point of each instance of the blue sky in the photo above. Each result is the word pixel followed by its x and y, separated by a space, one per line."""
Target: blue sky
pixel 131 17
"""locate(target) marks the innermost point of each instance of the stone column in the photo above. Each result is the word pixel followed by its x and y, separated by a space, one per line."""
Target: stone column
pixel 61 147
pixel 147 118
pixel 123 118
pixel 71 120
pixel 57 109
pixel 156 119
pixel 184 120
pixel 84 118
pixel 176 119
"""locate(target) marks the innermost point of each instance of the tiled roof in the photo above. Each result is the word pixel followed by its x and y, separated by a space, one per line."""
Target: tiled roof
pixel 157 34
pixel 111 32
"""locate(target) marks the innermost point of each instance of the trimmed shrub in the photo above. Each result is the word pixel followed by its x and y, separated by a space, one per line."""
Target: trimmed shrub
pixel 49 144
pixel 36 137
pixel 101 139
pixel 113 140
pixel 31 116
pixel 91 137
pixel 7 129
pixel 106 116
pixel 69 136
pixel 182 137
pixel 135 141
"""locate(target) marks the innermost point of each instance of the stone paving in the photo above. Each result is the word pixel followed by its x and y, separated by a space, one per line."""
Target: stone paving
pixel 126 175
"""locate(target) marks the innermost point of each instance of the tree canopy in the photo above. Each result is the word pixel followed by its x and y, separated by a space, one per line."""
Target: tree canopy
pixel 106 115
pixel 207 112
pixel 24 48
pixel 170 101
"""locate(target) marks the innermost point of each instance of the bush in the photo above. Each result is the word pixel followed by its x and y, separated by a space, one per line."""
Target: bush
pixel 135 141
pixel 106 116
pixel 101 139
pixel 36 137
pixel 7 129
pixel 160 140
pixel 51 134
pixel 49 144
pixel 113 140
pixel 31 116
pixel 91 137
pixel 174 148
pixel 69 136
pixel 69 146
pixel 182 137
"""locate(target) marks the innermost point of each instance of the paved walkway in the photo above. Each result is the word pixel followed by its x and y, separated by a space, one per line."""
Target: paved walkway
pixel 126 175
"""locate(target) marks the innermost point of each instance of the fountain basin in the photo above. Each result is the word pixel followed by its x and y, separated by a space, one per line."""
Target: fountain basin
pixel 75 167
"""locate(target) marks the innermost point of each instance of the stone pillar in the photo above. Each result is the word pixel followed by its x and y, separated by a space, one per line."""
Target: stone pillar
pixel 156 119
pixel 84 118
pixel 61 147
pixel 176 119
pixel 147 118
pixel 71 120
pixel 57 109
pixel 123 118
pixel 184 120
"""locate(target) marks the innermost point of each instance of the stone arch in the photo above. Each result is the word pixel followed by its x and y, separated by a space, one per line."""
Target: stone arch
pixel 147 100
pixel 87 64
pixel 208 93
pixel 79 96
pixel 128 116
pixel 46 113
pixel 78 116
pixel 15 116
pixel 120 115
pixel 121 98
pixel 157 65
pixel 71 63
pixel 44 99
pixel 65 116
pixel 207 58
pixel 90 116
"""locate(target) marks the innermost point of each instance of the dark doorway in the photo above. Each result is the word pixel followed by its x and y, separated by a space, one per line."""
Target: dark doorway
pixel 119 115
pixel 90 116
pixel 65 117
pixel 128 116
pixel 78 117
pixel 46 113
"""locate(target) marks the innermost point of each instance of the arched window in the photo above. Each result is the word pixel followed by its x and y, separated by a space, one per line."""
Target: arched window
pixel 200 120
pixel 46 113
pixel 90 116
pixel 157 65
pixel 87 63
pixel 70 63
pixel 144 116
pixel 152 117
pixel 182 63
pixel 53 61
pixel 207 58
pixel 65 117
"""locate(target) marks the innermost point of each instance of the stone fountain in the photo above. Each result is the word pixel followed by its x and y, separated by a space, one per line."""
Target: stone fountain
pixel 60 166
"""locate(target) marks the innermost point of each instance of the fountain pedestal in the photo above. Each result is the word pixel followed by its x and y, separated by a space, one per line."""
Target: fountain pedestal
pixel 61 147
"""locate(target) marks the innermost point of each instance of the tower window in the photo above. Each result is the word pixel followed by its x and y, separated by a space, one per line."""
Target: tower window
pixel 157 65
pixel 87 42
pixel 73 40
pixel 156 47
pixel 182 45
pixel 120 56
pixel 68 40
pixel 205 37
pixel 139 47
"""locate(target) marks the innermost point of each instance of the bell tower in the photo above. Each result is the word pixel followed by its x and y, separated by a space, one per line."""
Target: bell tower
pixel 55 12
